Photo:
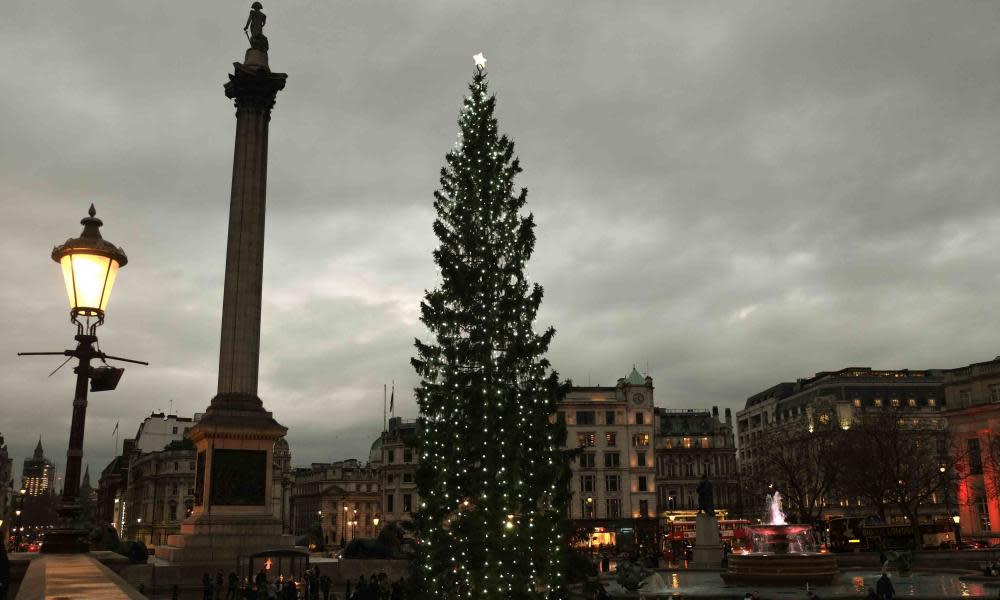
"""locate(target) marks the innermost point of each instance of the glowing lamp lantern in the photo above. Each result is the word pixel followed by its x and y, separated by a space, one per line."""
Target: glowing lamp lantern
pixel 90 266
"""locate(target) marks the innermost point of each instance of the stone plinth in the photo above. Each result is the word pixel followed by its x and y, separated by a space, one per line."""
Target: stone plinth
pixel 707 548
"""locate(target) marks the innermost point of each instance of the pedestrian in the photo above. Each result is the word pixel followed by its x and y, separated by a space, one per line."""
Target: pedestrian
pixel 347 589
pixel 206 585
pixel 324 586
pixel 219 580
pixel 175 592
pixel 232 586
pixel 884 588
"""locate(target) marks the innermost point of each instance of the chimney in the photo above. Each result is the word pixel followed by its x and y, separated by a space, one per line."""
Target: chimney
pixel 715 413
pixel 729 417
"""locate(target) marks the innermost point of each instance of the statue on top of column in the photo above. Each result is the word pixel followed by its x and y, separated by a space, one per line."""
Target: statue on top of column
pixel 255 23
pixel 706 503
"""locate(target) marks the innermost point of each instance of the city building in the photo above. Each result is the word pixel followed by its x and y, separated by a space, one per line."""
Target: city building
pixel 691 444
pixel 613 493
pixel 38 473
pixel 972 396
pixel 160 492
pixel 6 490
pixel 340 501
pixel 394 454
pixel 829 399
pixel 135 490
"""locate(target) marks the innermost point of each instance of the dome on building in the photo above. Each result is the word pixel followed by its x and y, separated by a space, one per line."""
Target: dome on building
pixel 281 447
pixel 375 455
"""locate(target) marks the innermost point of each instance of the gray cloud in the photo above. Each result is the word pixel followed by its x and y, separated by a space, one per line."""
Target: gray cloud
pixel 735 193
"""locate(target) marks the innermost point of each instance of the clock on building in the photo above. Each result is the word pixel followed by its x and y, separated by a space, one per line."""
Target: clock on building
pixel 637 399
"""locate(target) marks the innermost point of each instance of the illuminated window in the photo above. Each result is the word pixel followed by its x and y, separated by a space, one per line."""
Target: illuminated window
pixel 586 439
pixel 878 402
pixel 687 442
pixel 931 402
pixel 895 402
pixel 857 403
pixel 640 440
pixel 824 419
pixel 610 439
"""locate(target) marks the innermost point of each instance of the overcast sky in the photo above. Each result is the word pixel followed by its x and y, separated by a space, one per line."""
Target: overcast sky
pixel 735 194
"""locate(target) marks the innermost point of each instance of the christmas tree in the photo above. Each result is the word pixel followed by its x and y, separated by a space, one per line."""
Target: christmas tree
pixel 492 477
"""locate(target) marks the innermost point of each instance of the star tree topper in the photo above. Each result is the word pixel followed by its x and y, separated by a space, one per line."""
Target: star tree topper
pixel 480 61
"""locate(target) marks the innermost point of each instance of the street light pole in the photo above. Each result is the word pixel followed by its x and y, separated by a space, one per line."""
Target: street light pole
pixel 90 267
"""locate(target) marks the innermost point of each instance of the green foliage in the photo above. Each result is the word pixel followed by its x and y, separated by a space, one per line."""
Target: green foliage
pixel 492 477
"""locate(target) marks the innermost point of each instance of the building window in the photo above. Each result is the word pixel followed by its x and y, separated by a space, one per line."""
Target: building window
pixel 687 442
pixel 642 483
pixel 609 417
pixel 392 455
pixel 975 457
pixel 587 460
pixel 640 418
pixel 587 484
pixel 407 477
pixel 640 459
pixel 912 402
pixel 585 417
pixel 407 455
pixel 704 442
pixel 407 503
pixel 931 402
pixel 640 440
pixel 612 460
pixel 561 417
pixel 389 504
pixel 612 483
pixel 586 439
pixel 614 508
pixel 965 397
pixel 984 513
pixel 895 402
pixel 588 507
pixel 643 508
pixel 878 403
pixel 995 392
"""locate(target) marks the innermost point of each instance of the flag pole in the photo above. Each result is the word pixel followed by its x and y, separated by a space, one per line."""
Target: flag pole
pixel 383 406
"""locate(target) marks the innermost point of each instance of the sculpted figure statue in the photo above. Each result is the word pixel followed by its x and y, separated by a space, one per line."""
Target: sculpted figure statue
pixel 255 23
pixel 706 503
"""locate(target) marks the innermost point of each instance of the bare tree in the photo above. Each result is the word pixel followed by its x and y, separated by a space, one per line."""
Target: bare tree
pixel 896 458
pixel 804 466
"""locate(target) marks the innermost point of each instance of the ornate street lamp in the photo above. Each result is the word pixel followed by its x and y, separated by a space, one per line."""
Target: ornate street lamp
pixel 958 530
pixel 90 267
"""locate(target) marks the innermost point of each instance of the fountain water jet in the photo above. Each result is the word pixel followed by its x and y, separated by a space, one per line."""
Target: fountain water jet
pixel 782 554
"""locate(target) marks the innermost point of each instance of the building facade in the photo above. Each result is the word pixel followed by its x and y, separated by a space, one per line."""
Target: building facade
pixel 830 399
pixel 160 492
pixel 394 454
pixel 691 444
pixel 38 473
pixel 613 493
pixel 972 396
pixel 6 490
pixel 341 499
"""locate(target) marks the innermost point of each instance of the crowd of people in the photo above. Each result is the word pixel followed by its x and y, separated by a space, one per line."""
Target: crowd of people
pixel 313 586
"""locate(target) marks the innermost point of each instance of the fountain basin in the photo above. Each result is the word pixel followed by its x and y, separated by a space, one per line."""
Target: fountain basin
pixel 782 554
pixel 781 569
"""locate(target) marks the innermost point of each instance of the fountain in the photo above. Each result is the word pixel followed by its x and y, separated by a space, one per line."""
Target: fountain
pixel 781 554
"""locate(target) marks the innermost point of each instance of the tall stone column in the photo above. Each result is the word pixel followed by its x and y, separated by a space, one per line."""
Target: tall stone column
pixel 235 438
pixel 253 88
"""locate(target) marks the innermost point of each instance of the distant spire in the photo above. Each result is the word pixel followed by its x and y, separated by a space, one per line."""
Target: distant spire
pixel 39 453
pixel 86 479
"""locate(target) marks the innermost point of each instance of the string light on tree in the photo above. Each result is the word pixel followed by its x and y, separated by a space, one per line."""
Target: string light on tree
pixel 492 520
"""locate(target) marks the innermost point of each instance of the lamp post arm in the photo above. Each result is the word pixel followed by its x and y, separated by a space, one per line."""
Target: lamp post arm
pixel 129 360
pixel 63 353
